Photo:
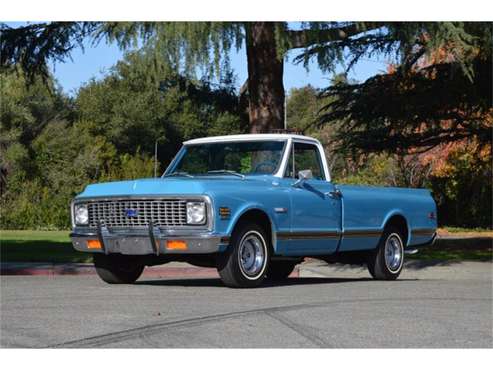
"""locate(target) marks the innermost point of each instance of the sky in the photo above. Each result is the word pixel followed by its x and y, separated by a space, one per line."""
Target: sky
pixel 95 62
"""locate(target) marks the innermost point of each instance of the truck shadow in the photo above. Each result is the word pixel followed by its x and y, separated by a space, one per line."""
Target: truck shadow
pixel 422 264
pixel 209 282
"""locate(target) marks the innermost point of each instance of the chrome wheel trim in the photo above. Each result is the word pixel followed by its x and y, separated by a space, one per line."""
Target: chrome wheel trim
pixel 252 255
pixel 394 252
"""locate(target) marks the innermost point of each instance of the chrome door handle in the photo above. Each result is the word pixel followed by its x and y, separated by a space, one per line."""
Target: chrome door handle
pixel 335 194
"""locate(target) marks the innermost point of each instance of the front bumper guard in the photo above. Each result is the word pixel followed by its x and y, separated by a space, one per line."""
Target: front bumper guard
pixel 151 240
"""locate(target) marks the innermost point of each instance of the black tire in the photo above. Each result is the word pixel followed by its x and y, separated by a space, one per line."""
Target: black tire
pixel 117 268
pixel 229 264
pixel 378 266
pixel 280 270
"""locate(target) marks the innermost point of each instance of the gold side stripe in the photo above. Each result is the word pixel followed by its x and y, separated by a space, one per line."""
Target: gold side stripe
pixel 332 235
pixel 363 234
pixel 347 234
pixel 329 235
pixel 308 235
pixel 425 232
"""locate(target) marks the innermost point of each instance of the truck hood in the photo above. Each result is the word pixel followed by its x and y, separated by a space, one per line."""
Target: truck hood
pixel 168 186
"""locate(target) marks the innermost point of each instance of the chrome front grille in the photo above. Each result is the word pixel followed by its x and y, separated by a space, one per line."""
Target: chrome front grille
pixel 138 212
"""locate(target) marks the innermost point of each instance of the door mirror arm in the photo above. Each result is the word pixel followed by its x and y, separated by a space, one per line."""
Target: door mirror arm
pixel 302 177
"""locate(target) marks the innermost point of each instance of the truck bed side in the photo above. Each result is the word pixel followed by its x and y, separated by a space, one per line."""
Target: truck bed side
pixel 366 211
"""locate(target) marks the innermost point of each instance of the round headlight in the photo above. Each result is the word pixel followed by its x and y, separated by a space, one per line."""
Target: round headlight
pixel 196 213
pixel 81 214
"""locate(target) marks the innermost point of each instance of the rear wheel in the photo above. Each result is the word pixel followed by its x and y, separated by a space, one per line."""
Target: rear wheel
pixel 279 270
pixel 244 264
pixel 117 268
pixel 385 263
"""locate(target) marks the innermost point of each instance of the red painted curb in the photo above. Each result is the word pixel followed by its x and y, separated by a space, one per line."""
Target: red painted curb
pixel 89 270
pixel 154 271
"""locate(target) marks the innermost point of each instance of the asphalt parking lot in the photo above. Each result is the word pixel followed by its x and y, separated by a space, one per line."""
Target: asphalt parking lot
pixel 431 305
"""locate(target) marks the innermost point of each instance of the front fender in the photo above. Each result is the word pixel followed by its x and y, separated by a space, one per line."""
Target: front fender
pixel 241 211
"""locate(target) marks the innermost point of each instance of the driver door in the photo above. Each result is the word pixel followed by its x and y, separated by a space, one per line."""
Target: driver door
pixel 315 215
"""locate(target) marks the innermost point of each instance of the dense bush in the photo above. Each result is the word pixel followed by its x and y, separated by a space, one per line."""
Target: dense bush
pixel 463 188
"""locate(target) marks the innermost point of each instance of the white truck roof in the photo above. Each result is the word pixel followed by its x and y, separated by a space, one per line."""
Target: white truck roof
pixel 258 137
pixel 249 137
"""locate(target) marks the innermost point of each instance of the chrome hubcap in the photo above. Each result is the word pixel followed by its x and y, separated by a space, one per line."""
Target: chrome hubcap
pixel 252 254
pixel 393 252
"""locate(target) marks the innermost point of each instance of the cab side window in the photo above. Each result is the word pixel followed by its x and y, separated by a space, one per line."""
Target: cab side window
pixel 306 157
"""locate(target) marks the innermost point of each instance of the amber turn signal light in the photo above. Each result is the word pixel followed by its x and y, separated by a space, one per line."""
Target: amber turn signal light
pixel 93 244
pixel 176 244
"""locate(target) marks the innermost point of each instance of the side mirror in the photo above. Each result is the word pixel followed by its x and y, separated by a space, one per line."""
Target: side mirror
pixel 302 177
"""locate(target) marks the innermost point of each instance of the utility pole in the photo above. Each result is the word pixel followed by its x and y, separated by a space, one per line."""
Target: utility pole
pixel 285 112
pixel 155 157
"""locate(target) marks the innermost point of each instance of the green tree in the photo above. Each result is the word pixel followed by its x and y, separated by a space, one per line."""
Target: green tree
pixel 303 106
pixel 24 113
pixel 462 186
pixel 441 92
pixel 133 109
pixel 45 158
pixel 188 45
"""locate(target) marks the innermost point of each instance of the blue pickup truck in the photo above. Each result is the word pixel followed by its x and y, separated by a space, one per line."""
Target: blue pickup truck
pixel 253 206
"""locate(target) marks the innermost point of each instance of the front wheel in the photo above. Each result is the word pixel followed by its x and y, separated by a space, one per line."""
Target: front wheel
pixel 117 268
pixel 385 263
pixel 244 264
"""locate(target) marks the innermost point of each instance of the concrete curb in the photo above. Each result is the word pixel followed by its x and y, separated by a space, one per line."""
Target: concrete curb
pixel 57 269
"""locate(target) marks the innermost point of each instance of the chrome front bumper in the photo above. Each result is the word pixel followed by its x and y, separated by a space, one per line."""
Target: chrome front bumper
pixel 147 241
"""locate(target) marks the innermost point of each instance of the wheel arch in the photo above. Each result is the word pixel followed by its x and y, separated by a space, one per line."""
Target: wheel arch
pixel 259 216
pixel 398 220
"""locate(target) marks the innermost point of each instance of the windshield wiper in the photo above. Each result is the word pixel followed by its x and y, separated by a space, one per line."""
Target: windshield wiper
pixel 178 173
pixel 227 172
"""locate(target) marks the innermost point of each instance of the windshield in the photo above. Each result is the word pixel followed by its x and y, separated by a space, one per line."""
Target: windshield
pixel 240 158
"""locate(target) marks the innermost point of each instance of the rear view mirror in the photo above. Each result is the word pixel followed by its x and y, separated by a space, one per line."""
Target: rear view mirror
pixel 302 177
pixel 305 175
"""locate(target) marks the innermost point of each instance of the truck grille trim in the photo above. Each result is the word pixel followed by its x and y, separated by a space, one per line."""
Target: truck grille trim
pixel 138 212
